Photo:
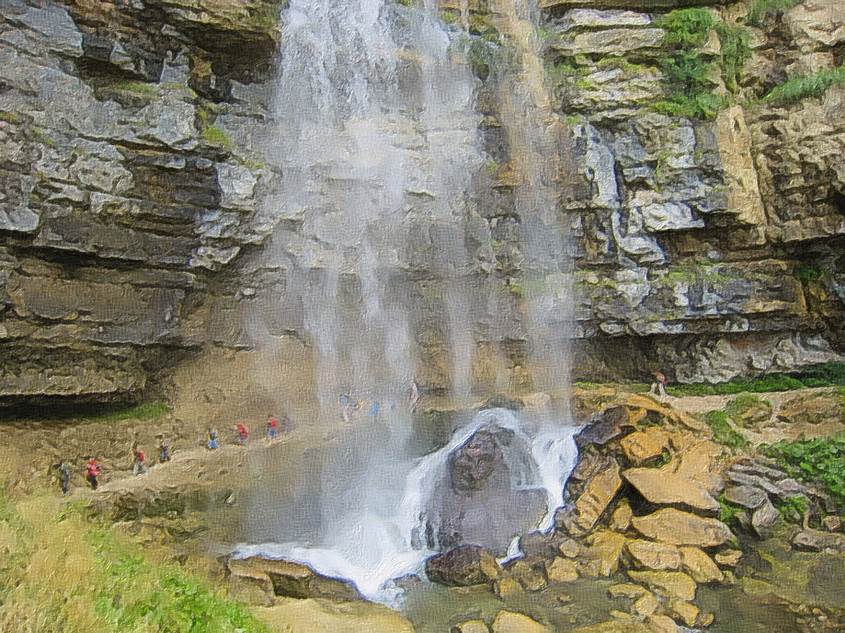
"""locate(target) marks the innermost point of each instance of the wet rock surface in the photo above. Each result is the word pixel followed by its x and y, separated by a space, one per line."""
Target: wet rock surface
pixel 463 566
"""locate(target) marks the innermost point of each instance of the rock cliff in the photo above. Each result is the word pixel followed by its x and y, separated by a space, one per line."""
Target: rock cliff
pixel 707 238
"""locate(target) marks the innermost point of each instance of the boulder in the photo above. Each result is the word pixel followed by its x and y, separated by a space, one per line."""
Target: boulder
pixel 620 520
pixel 665 487
pixel 463 566
pixel 746 496
pixel 615 626
pixel 645 605
pixel 295 580
pixel 606 548
pixel 561 570
pixel 511 622
pixel 682 528
pixel 603 427
pixel 570 548
pixel 764 519
pixel 643 446
pixel 506 587
pixel 654 556
pixel 530 576
pixel 662 624
pixel 669 584
pixel 700 566
pixel 818 541
pixel 599 492
pixel 476 461
pixel 684 611
pixel 728 558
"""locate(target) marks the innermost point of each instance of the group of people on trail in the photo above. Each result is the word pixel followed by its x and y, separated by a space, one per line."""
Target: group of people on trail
pixel 349 405
pixel 242 432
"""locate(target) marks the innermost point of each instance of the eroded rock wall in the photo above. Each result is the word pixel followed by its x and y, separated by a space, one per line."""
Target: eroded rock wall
pixel 132 232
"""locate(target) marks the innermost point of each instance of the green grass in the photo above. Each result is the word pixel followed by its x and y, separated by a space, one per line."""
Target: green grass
pixel 808 274
pixel 64 574
pixel 728 512
pixel 797 88
pixel 137 87
pixel 761 9
pixel 723 432
pixel 143 411
pixel 793 509
pixel 216 136
pixel 820 461
pixel 689 72
pixel 161 596
pixel 825 375
pixel 743 403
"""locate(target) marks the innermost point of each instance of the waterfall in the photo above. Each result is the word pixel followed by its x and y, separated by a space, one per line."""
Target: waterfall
pixel 376 136
pixel 378 547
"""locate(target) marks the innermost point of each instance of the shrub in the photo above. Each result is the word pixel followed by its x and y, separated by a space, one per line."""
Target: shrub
pixel 820 460
pixel 723 432
pixel 761 9
pixel 798 88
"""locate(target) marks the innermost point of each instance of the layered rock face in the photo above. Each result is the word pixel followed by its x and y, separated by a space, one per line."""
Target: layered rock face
pixel 710 245
pixel 132 231
pixel 121 193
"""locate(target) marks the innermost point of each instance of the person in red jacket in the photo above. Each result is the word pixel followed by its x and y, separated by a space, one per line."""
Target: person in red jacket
pixel 272 428
pixel 92 471
pixel 243 433
pixel 139 460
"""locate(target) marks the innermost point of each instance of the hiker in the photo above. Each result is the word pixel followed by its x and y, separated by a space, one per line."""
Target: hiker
pixel 92 471
pixel 163 451
pixel 345 407
pixel 375 409
pixel 139 460
pixel 243 433
pixel 64 477
pixel 212 440
pixel 272 428
pixel 658 387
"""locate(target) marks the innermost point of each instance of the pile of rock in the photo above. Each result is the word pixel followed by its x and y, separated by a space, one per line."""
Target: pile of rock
pixel 643 503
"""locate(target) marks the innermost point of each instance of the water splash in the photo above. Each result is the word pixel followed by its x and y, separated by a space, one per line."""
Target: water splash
pixel 377 546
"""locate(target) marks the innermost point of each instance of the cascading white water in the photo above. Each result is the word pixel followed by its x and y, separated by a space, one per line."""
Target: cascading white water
pixel 376 136
pixel 389 545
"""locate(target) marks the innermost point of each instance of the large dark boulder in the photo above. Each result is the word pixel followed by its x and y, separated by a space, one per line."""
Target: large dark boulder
pixel 463 566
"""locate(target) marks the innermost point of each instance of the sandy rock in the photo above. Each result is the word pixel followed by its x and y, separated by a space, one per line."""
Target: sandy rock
pixel 510 622
pixel 832 523
pixel 471 626
pixel 570 548
pixel 530 576
pixel 642 446
pixel 700 566
pixel 606 547
pixel 664 486
pixel 604 427
pixel 620 520
pixel 561 570
pixel 646 605
pixel 600 491
pixel 729 558
pixel 507 587
pixel 320 616
pixel 463 566
pixel 662 624
pixel 654 556
pixel 670 584
pixel 250 584
pixel 682 528
pixel 746 496
pixel 818 541
pixel 686 612
pixel 295 580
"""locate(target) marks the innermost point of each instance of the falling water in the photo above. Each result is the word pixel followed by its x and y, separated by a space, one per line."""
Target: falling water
pixel 376 136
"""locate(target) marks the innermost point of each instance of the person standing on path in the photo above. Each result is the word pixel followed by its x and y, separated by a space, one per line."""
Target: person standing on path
pixel 243 433
pixel 92 472
pixel 658 387
pixel 64 477
pixel 163 451
pixel 272 428
pixel 139 460
pixel 212 444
